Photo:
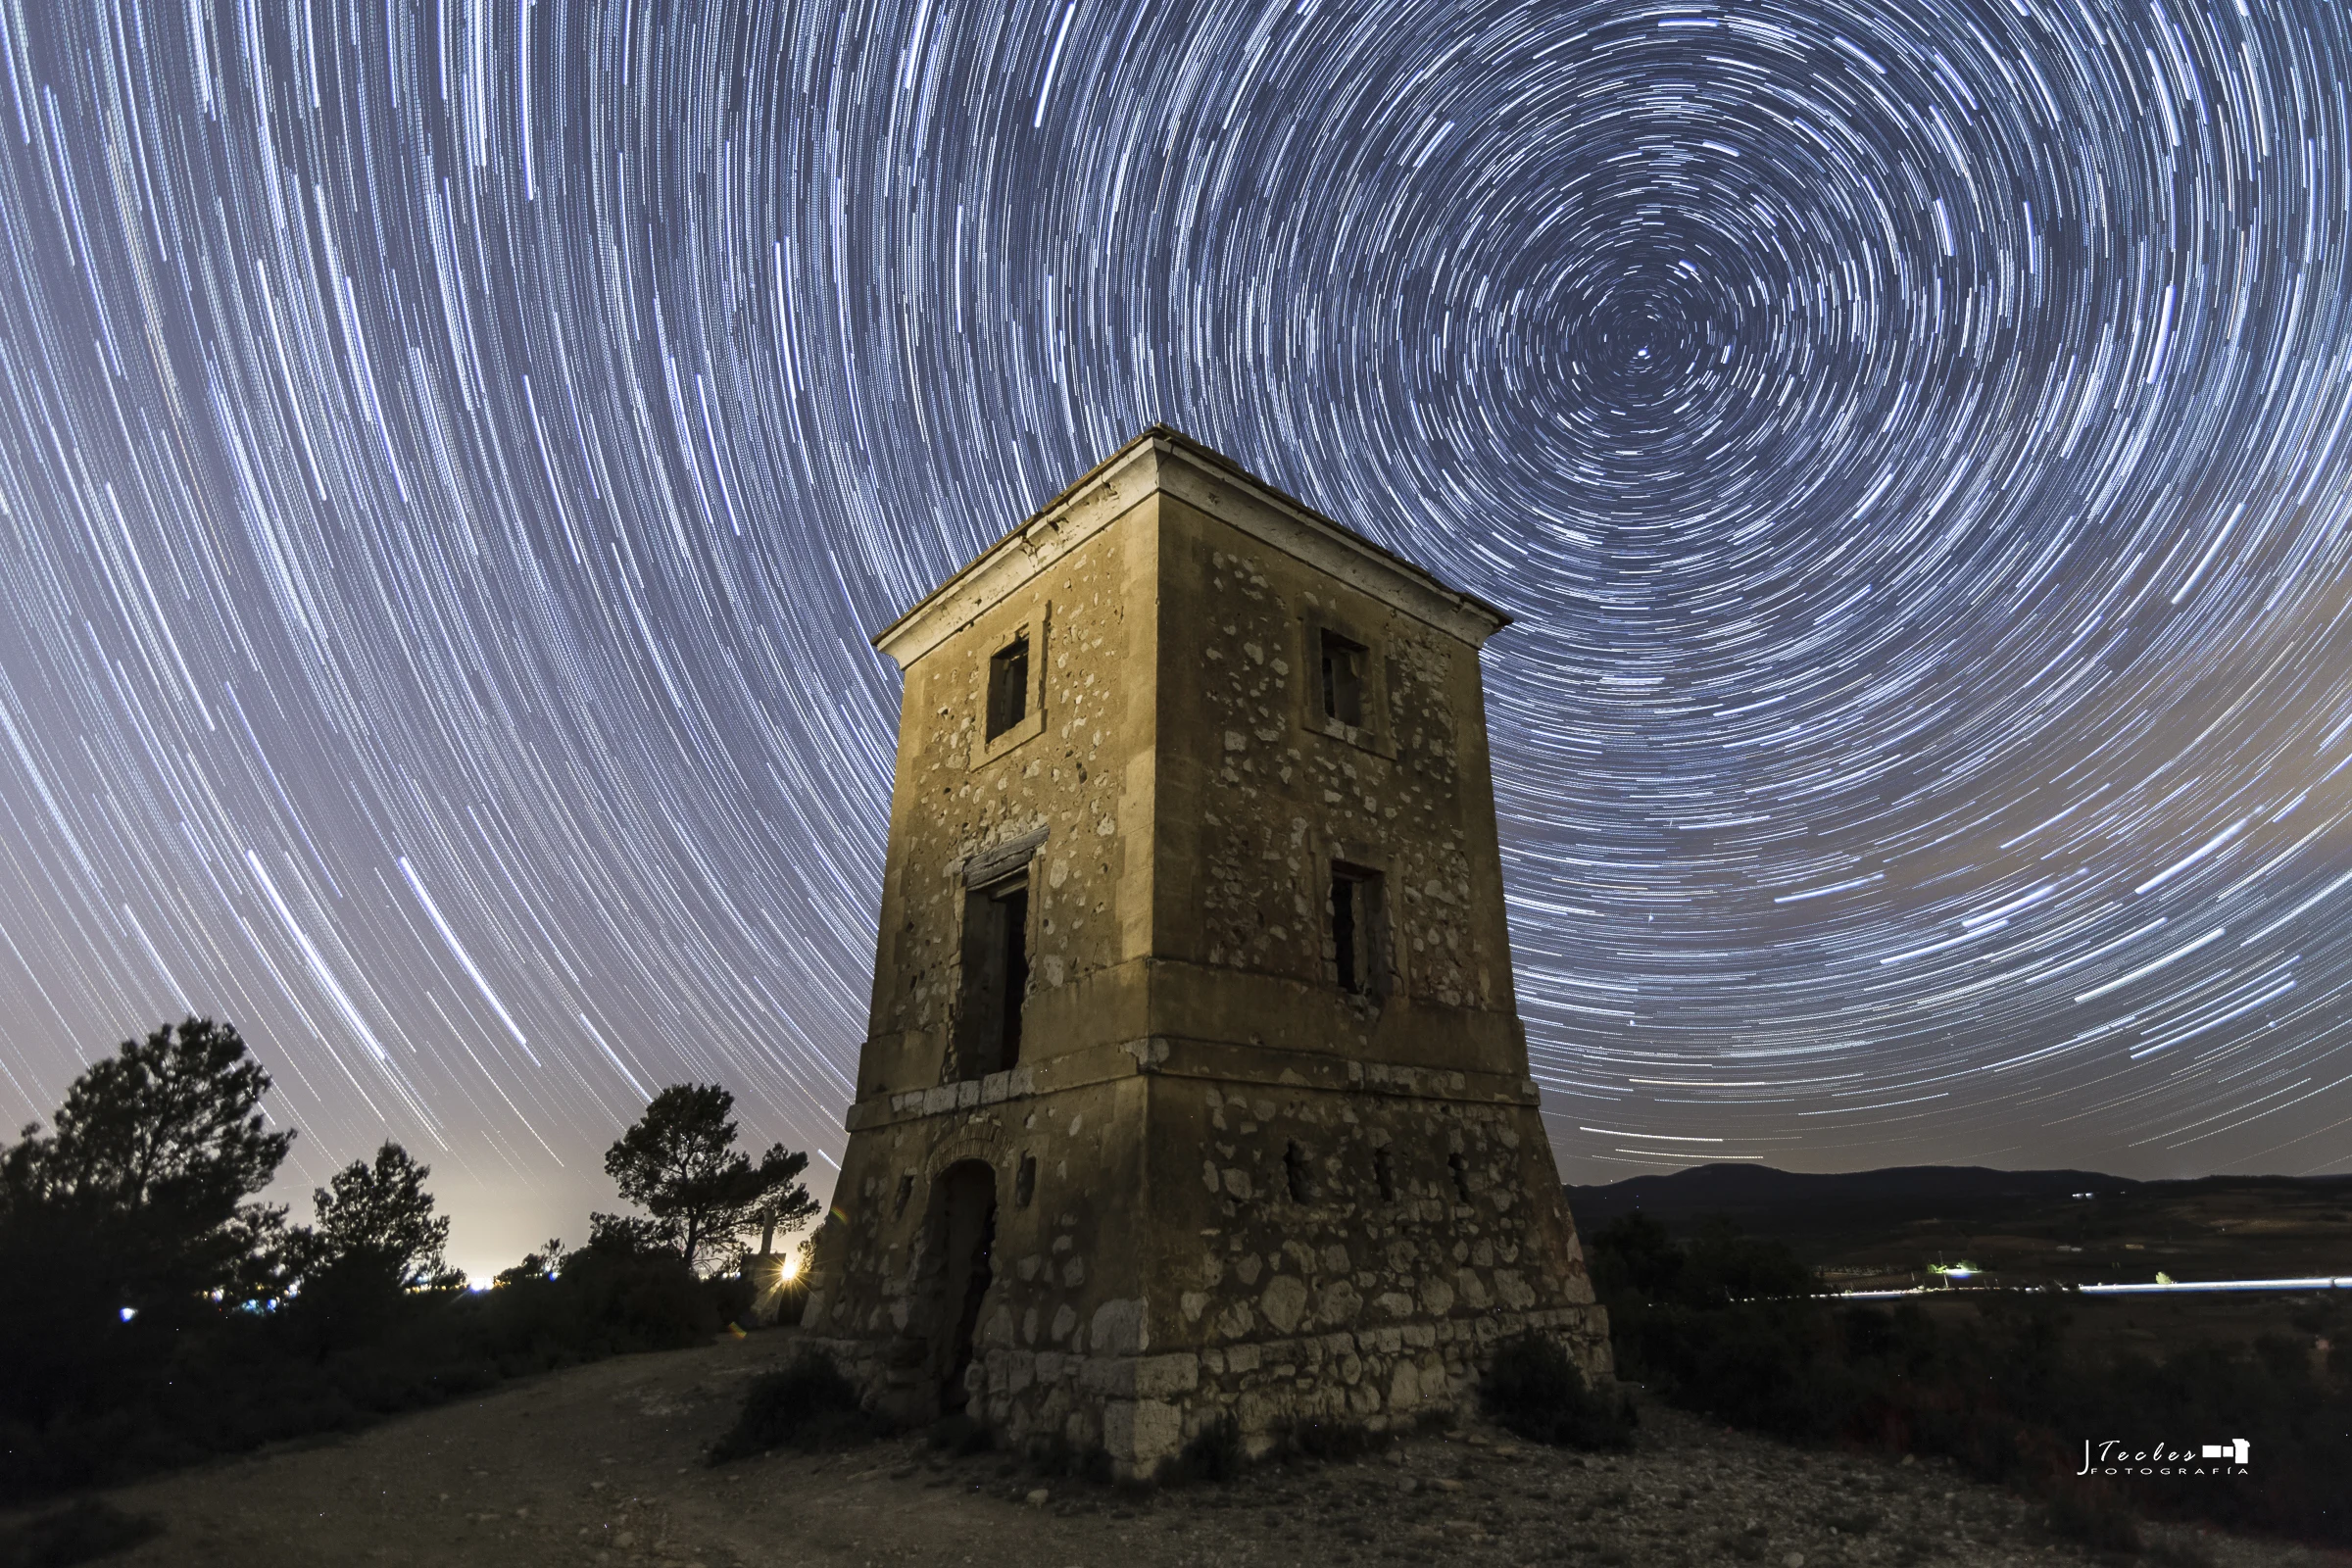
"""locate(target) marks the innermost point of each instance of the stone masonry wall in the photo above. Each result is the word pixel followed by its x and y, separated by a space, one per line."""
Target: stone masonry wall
pixel 1083 781
pixel 1259 793
pixel 1060 1255
pixel 1286 1256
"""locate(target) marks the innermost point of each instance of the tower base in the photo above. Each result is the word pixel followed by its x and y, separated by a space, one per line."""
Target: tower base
pixel 1117 1264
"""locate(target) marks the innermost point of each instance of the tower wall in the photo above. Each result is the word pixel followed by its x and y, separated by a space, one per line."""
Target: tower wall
pixel 1259 795
pixel 1077 778
pixel 1164 1271
pixel 1236 1168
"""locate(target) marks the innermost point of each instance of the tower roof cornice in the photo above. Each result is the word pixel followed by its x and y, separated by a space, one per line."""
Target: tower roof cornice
pixel 1162 459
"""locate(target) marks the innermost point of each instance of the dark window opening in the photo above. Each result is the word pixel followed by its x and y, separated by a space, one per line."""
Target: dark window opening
pixel 996 978
pixel 1343 932
pixel 1007 687
pixel 1358 949
pixel 1302 1180
pixel 1025 1182
pixel 1461 1175
pixel 1342 680
pixel 1015 907
pixel 1384 1171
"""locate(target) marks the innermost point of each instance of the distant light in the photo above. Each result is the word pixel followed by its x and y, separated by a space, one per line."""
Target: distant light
pixel 478 1285
pixel 130 1313
pixel 790 1267
pixel 2340 1282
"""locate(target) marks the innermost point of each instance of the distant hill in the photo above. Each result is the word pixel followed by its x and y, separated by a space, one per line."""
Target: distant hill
pixel 2034 1222
pixel 1914 1192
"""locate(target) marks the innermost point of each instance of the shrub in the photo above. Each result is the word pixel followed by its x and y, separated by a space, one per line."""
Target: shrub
pixel 808 1405
pixel 2179 1553
pixel 959 1436
pixel 243 1378
pixel 629 1300
pixel 1327 1441
pixel 1212 1453
pixel 2091 1517
pixel 731 1296
pixel 1056 1455
pixel 1533 1389
pixel 80 1532
pixel 1998 1390
pixel 1749 1545
pixel 174 1317
pixel 1636 1256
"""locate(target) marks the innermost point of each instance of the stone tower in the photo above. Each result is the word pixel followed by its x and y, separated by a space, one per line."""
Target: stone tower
pixel 1195 1082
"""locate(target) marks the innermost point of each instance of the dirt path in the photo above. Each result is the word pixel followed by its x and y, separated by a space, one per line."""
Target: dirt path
pixel 600 1466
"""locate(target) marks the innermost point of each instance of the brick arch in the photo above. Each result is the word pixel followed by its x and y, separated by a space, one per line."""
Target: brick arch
pixel 982 1143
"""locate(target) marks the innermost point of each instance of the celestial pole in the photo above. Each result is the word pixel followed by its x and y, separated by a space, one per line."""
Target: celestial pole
pixel 453 453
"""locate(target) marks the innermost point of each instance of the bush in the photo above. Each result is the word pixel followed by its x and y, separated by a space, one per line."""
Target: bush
pixel 2094 1517
pixel 808 1405
pixel 959 1436
pixel 1327 1441
pixel 1636 1256
pixel 1056 1455
pixel 242 1379
pixel 2178 1553
pixel 80 1532
pixel 731 1296
pixel 1767 1366
pixel 1214 1453
pixel 621 1297
pixel 1533 1389
pixel 174 1317
pixel 1998 1390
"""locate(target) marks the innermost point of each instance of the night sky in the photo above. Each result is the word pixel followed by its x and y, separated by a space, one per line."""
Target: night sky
pixel 453 453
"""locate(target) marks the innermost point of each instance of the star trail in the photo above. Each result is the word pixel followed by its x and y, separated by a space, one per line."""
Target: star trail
pixel 452 452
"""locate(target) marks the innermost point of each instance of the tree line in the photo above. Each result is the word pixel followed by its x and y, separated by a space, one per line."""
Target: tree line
pixel 179 1314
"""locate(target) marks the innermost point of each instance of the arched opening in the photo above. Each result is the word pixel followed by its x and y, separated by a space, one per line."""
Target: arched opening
pixel 962 1230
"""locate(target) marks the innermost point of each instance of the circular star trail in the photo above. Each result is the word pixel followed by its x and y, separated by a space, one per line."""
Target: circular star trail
pixel 452 451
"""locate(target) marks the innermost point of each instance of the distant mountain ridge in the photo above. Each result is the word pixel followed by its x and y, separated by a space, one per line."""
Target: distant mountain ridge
pixel 1731 1189
pixel 2213 1227
pixel 1796 1201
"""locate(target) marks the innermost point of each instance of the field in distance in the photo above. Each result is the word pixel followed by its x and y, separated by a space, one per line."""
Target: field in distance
pixel 2022 1227
pixel 1882 1229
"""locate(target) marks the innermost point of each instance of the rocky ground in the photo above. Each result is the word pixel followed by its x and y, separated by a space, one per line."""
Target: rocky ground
pixel 601 1466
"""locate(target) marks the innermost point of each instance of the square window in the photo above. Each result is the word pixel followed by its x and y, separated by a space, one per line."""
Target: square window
pixel 1011 698
pixel 1008 686
pixel 1342 680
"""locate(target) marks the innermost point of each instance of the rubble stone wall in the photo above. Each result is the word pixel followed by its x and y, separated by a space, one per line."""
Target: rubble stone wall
pixel 1076 779
pixel 1283 1255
